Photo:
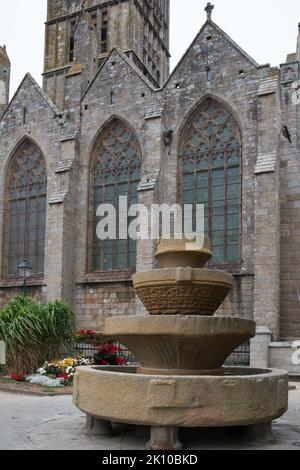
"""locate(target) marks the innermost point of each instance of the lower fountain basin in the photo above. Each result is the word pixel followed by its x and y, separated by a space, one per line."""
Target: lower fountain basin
pixel 180 345
pixel 240 397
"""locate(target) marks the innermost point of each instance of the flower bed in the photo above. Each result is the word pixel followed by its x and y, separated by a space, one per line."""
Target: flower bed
pixel 59 373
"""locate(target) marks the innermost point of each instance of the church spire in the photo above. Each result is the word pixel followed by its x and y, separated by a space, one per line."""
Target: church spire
pixel 209 9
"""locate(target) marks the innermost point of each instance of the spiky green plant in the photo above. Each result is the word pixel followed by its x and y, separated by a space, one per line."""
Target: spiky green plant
pixel 59 328
pixel 34 333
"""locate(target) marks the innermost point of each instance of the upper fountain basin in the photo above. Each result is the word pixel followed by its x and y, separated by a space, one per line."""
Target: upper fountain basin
pixel 182 291
pixel 185 253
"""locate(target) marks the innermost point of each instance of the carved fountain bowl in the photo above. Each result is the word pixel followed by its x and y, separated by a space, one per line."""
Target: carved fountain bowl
pixel 182 291
pixel 180 344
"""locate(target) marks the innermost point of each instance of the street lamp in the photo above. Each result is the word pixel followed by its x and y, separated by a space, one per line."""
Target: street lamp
pixel 25 269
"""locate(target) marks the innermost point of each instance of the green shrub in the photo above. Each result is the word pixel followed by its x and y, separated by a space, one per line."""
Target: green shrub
pixel 34 333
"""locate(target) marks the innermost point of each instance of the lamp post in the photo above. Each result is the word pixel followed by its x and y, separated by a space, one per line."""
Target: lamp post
pixel 25 269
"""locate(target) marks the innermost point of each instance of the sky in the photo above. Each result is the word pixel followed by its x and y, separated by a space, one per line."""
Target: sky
pixel 266 29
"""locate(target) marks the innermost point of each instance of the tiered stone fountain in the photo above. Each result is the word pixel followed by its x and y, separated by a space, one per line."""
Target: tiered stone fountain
pixel 181 348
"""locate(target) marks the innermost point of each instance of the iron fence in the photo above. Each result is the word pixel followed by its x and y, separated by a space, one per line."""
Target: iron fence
pixel 240 357
pixel 89 351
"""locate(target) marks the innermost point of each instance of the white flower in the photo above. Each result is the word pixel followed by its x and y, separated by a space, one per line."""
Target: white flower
pixel 44 381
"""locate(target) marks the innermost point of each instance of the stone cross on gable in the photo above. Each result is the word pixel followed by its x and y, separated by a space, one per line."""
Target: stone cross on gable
pixel 209 9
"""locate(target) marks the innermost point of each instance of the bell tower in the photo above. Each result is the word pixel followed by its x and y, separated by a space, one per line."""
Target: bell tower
pixel 4 79
pixel 140 28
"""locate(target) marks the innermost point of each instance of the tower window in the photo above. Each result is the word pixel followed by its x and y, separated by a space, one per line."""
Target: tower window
pixel 103 32
pixel 72 41
pixel 24 116
pixel 112 97
pixel 209 74
pixel 158 77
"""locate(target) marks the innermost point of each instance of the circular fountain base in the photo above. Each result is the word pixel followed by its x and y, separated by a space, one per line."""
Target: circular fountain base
pixel 240 397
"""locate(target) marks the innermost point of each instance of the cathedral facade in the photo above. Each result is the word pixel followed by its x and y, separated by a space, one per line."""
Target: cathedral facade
pixel 110 120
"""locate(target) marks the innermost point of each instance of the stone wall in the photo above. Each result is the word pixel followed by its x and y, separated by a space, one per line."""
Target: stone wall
pixel 96 302
pixel 240 302
pixel 290 202
pixel 37 293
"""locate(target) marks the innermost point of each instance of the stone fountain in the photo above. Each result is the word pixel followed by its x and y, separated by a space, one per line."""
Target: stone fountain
pixel 181 348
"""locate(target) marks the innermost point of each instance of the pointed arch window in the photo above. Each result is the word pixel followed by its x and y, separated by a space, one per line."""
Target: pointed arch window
pixel 115 171
pixel 210 174
pixel 25 210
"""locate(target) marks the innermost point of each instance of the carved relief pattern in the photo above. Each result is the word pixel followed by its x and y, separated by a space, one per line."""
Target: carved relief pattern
pixel 75 4
pixel 57 7
pixel 213 135
pixel 197 300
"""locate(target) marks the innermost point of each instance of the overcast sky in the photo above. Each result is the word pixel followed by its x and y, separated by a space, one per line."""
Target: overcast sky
pixel 266 29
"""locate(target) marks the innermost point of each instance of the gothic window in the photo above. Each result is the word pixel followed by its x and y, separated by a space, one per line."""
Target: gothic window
pixel 210 174
pixel 115 172
pixel 25 210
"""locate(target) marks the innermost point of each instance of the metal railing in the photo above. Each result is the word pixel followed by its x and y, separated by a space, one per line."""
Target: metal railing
pixel 240 357
pixel 89 351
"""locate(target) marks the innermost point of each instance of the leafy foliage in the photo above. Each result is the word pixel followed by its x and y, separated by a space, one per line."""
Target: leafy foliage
pixel 34 333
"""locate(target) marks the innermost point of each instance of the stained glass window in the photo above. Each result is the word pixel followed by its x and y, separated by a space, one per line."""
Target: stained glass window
pixel 25 209
pixel 115 172
pixel 210 174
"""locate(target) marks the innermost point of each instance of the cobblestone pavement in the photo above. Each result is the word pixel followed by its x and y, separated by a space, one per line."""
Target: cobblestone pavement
pixel 53 423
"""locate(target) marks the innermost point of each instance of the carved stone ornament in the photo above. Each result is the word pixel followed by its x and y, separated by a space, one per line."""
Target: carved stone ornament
pixel 289 72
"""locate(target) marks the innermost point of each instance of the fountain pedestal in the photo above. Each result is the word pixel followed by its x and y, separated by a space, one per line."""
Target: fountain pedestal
pixel 181 348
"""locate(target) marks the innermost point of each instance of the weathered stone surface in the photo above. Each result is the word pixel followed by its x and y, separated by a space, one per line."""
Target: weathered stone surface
pixel 233 400
pixel 183 252
pixel 164 438
pixel 97 428
pixel 182 345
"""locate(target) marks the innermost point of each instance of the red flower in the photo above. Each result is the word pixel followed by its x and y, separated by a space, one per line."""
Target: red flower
pixel 104 363
pixel 120 361
pixel 18 378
